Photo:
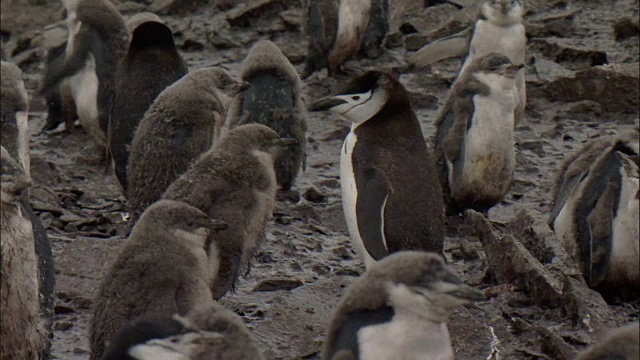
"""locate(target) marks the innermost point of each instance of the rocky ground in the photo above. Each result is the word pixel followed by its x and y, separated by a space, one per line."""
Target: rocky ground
pixel 582 78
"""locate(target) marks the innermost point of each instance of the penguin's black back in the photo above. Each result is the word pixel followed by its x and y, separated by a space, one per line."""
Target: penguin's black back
pixel 54 59
pixel 603 178
pixel 151 65
pixel 347 336
pixel 46 274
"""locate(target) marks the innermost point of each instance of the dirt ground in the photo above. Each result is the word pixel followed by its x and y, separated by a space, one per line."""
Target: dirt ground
pixel 302 269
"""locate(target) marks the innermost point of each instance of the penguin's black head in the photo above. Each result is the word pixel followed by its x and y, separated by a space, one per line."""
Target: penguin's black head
pixel 422 280
pixel 151 34
pixel 363 97
pixel 129 343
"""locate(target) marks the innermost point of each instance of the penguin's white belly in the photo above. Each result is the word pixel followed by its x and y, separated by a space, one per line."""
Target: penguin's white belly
pixel 350 197
pixel 22 118
pixel 510 41
pixel 407 337
pixel 84 90
pixel 625 233
pixel 489 155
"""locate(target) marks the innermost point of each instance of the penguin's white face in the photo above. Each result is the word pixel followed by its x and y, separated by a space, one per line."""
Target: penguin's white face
pixel 435 302
pixel 503 12
pixel 357 108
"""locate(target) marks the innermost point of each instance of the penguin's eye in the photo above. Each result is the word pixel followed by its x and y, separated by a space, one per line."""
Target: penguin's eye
pixel 356 97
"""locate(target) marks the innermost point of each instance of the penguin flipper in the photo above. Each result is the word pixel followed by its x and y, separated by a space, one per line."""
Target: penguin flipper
pixel 373 191
pixel 595 213
pixel 452 46
pixel 74 61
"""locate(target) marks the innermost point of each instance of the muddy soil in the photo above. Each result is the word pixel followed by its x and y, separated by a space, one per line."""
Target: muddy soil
pixel 304 266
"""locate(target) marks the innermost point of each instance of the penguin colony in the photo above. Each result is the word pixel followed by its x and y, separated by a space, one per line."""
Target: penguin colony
pixel 200 156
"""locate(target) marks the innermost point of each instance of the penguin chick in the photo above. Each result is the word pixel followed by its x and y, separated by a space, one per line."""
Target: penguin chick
pixel 15 137
pixel 151 64
pixel 98 38
pixel 498 28
pixel 164 268
pixel 335 29
pixel 22 328
pixel 474 144
pixel 181 124
pixel 208 333
pixel 595 213
pixel 235 182
pixel 398 310
pixel 391 197
pixel 620 344
pixel 273 99
pixel 14 129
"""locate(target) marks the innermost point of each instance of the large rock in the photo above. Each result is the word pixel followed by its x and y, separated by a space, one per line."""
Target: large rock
pixel 615 87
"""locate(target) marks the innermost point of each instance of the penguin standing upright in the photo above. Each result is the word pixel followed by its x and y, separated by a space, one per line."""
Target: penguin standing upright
pixel 498 28
pixel 164 268
pixel 235 182
pixel 274 99
pixel 15 138
pixel 398 310
pixel 151 64
pixel 390 192
pixel 182 123
pixel 474 144
pixel 595 213
pixel 98 38
pixel 337 29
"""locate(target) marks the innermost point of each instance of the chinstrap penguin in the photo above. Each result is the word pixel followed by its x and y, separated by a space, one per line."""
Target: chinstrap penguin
pixel 595 213
pixel 498 28
pixel 22 326
pixel 474 144
pixel 274 99
pixel 338 28
pixel 398 310
pixel 182 123
pixel 622 343
pixel 164 268
pixel 60 105
pixel 209 332
pixel 98 38
pixel 390 192
pixel 236 183
pixel 151 64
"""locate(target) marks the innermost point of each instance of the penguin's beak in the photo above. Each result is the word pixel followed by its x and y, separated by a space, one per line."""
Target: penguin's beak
pixel 240 87
pixel 326 103
pixel 283 142
pixel 218 224
pixel 466 292
pixel 510 71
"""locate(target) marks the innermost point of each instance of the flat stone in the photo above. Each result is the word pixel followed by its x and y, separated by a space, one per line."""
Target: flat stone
pixel 277 284
pixel 614 87
pixel 626 28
